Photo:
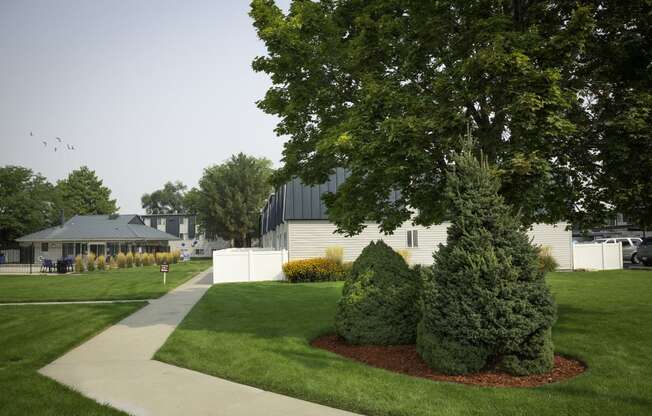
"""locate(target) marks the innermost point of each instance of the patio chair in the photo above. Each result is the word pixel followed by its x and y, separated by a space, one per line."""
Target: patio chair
pixel 47 265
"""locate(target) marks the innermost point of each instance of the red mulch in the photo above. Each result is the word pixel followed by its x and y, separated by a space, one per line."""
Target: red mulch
pixel 405 359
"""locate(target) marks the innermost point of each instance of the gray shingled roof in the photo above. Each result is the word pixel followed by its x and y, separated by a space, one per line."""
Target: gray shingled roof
pixel 100 228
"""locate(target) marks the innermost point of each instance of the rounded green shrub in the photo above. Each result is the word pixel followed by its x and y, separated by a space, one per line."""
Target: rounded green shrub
pixel 485 299
pixel 379 299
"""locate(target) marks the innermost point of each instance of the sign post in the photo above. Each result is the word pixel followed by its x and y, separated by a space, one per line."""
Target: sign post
pixel 165 268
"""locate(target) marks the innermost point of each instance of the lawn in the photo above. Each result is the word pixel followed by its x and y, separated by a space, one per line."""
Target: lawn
pixel 258 334
pixel 134 283
pixel 33 336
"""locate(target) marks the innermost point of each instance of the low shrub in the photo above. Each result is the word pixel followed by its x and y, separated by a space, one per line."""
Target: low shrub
pixel 406 254
pixel 130 259
pixel 318 269
pixel 138 260
pixel 546 262
pixel 121 259
pixel 79 264
pixel 90 262
pixel 379 299
pixel 112 263
pixel 335 253
pixel 101 263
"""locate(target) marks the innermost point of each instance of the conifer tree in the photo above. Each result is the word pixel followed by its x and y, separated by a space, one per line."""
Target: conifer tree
pixel 378 304
pixel 484 301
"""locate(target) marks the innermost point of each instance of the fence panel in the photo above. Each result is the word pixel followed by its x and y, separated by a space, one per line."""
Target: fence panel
pixel 248 265
pixel 598 256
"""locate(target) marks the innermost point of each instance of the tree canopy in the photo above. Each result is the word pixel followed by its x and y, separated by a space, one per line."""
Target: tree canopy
pixel 230 197
pixel 386 89
pixel 167 200
pixel 83 193
pixel 27 203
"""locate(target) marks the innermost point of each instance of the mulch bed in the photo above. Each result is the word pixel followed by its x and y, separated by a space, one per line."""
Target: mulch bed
pixel 405 359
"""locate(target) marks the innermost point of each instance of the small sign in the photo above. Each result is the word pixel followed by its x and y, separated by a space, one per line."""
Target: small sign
pixel 165 268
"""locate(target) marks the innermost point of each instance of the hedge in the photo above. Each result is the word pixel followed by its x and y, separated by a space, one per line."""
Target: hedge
pixel 318 269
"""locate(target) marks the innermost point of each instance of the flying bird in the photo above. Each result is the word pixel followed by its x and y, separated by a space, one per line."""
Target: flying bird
pixel 55 148
pixel 31 134
pixel 45 143
pixel 60 140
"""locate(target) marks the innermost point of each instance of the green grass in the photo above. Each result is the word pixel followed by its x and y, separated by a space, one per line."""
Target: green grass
pixel 258 334
pixel 135 283
pixel 33 336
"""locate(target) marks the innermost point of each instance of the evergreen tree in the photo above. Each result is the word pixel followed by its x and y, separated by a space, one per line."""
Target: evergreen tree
pixel 484 301
pixel 378 304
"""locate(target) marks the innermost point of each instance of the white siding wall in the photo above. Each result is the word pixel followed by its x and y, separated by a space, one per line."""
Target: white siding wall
pixel 558 239
pixel 311 238
pixel 55 251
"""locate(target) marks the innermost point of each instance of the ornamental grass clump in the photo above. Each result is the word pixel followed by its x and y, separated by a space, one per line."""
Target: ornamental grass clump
pixel 121 259
pixel 101 263
pixel 138 259
pixel 335 254
pixel 379 299
pixel 112 263
pixel 79 263
pixel 547 262
pixel 90 262
pixel 130 259
pixel 175 256
pixel 485 301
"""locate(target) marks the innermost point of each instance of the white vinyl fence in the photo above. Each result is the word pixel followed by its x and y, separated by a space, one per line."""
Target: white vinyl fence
pixel 598 256
pixel 248 265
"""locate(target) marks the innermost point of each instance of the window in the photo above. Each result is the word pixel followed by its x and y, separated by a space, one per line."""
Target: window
pixel 625 243
pixel 199 251
pixel 44 247
pixel 68 249
pixel 182 236
pixel 413 238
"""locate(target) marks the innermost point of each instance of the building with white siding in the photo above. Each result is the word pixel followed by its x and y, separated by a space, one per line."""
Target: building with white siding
pixel 184 226
pixel 294 218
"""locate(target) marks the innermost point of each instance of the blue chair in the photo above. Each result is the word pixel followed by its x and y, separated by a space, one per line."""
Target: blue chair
pixel 47 265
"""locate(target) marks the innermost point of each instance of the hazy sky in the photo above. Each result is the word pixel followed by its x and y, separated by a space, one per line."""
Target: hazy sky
pixel 146 90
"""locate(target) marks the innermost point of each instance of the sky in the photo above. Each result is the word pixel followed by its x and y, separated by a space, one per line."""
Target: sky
pixel 147 91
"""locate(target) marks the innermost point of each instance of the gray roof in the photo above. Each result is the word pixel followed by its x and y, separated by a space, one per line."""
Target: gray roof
pixel 100 228
pixel 297 201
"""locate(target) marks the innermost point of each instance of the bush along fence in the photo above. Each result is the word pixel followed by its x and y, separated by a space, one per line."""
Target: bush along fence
pixel 124 261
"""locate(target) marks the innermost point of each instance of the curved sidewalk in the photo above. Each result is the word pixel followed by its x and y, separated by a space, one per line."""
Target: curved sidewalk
pixel 116 368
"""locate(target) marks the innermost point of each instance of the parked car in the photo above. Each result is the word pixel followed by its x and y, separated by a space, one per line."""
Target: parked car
pixel 645 251
pixel 630 246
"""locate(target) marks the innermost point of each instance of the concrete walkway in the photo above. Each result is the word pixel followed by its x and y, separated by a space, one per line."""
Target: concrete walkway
pixel 116 368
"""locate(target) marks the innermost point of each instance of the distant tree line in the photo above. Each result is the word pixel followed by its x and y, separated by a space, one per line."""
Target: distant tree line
pixel 28 202
pixel 227 200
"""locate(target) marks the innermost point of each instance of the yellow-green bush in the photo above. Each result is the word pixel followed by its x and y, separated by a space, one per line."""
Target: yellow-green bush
pixel 101 263
pixel 145 260
pixel 335 253
pixel 130 259
pixel 122 260
pixel 406 254
pixel 319 269
pixel 138 259
pixel 112 263
pixel 90 262
pixel 79 264
pixel 546 262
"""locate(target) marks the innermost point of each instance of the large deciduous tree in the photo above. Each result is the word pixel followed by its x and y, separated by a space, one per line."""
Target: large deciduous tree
pixel 619 67
pixel 83 193
pixel 27 203
pixel 230 197
pixel 167 200
pixel 386 88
